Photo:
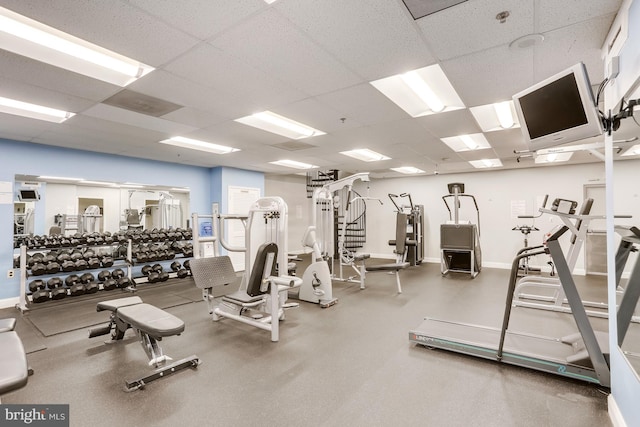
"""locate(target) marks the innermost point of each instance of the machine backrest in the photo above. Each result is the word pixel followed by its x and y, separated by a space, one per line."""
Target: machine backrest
pixel 401 233
pixel 263 267
pixel 216 273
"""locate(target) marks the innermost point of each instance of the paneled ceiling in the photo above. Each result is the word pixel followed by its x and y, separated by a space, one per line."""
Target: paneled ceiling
pixel 309 60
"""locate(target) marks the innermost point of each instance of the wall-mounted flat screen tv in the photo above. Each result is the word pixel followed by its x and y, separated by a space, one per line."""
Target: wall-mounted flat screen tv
pixel 558 110
pixel 28 195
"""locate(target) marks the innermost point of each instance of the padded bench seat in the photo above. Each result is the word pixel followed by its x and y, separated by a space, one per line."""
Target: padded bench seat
pixel 115 304
pixel 388 267
pixel 7 325
pixel 14 370
pixel 152 320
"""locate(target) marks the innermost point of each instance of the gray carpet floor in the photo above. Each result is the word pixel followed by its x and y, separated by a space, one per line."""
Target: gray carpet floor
pixel 347 365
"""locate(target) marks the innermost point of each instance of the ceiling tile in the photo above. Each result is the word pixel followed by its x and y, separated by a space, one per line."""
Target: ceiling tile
pixel 119 115
pixel 551 14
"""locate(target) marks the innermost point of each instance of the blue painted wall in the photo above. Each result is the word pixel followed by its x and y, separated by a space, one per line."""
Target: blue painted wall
pixel 207 184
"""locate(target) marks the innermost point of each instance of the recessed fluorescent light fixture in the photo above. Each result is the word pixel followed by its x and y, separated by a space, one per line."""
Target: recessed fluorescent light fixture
pixel 269 1
pixel 421 92
pixel 408 170
pixel 129 185
pixel 293 164
pixel 486 163
pixel 185 190
pixel 33 111
pixel 30 38
pixel 365 155
pixel 633 151
pixel 474 141
pixel 102 183
pixel 553 157
pixel 59 178
pixel 494 117
pixel 275 123
pixel 195 144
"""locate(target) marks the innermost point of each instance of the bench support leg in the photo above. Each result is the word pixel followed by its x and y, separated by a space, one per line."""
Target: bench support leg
pixel 189 362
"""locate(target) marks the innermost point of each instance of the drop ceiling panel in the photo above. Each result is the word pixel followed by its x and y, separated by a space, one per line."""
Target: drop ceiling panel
pixel 551 14
pixel 317 115
pixel 375 38
pixel 363 103
pixel 200 18
pixel 22 128
pixel 42 96
pixel 28 71
pixel 273 44
pixel 452 123
pixel 213 68
pixel 238 135
pixel 113 25
pixel 491 75
pixel 121 116
pixel 472 26
pixel 568 46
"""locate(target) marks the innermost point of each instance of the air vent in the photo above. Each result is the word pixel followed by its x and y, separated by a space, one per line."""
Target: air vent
pixel 421 8
pixel 140 103
pixel 293 145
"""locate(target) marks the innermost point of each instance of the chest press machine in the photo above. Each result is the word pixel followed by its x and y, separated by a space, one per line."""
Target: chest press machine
pixel 150 324
pixel 262 296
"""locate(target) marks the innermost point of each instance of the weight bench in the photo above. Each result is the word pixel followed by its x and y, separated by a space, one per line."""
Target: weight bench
pixel 260 302
pixel 150 324
pixel 14 371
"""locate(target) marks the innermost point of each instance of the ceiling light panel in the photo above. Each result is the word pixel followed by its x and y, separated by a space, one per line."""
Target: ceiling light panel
pixel 475 141
pixel 633 151
pixel 30 38
pixel 280 125
pixel 365 155
pixel 553 157
pixel 195 144
pixel 408 170
pixel 421 92
pixel 489 120
pixel 293 164
pixel 486 163
pixel 33 111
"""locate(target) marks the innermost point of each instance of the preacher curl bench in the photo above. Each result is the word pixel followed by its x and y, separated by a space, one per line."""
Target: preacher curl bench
pixel 150 324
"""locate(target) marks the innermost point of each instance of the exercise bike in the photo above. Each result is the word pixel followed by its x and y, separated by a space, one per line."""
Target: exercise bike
pixel 316 281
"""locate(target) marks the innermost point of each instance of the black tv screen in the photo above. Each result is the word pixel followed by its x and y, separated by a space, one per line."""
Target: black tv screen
pixel 28 195
pixel 558 110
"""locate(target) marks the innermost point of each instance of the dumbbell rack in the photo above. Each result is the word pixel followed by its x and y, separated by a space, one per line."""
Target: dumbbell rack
pixel 25 300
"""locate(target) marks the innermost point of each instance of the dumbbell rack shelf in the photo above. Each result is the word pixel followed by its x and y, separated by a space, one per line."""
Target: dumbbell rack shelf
pixel 26 301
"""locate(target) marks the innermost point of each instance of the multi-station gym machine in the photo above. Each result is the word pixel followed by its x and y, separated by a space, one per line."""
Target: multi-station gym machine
pixel 460 240
pixel 410 217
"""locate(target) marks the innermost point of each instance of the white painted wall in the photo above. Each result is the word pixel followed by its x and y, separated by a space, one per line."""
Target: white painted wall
pixel 494 191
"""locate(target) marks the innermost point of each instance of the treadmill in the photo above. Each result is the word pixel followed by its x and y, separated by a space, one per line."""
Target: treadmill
pixel 583 355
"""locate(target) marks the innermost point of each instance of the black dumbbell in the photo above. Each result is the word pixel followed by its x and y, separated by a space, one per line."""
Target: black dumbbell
pixel 106 261
pixel 36 285
pixel 53 267
pixel 123 282
pixel 109 284
pixel 163 276
pixel 104 275
pixel 93 263
pixel 72 280
pixel 40 296
pixel 146 270
pixel 117 273
pixel 157 268
pixel 91 288
pixel 81 265
pixel 182 273
pixel 54 282
pixel 38 269
pixel 87 278
pixel 186 265
pixel 175 266
pixel 153 277
pixel 68 265
pixel 77 289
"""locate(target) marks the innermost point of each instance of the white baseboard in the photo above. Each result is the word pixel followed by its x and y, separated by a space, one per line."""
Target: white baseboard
pixel 614 413
pixel 9 302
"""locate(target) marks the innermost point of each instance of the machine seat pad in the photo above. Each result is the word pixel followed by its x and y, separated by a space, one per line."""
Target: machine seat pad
pixel 388 267
pixel 115 304
pixel 151 320
pixel 14 370
pixel 242 297
pixel 361 257
pixel 7 325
